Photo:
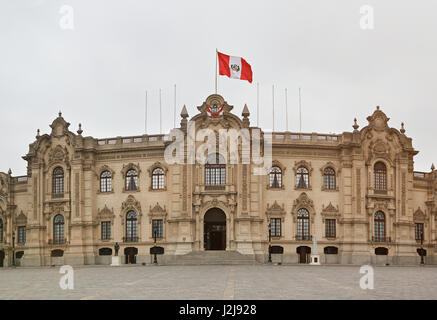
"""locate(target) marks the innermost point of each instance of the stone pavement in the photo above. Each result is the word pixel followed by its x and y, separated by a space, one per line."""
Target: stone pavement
pixel 239 282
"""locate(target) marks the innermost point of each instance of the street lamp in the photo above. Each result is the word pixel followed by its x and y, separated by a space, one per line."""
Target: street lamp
pixel 155 261
pixel 13 248
pixel 422 261
pixel 270 243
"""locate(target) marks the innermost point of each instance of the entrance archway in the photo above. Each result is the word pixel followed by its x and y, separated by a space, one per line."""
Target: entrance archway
pixel 130 255
pixel 303 253
pixel 214 229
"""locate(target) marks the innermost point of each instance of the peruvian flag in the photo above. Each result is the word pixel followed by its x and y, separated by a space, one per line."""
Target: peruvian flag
pixel 234 67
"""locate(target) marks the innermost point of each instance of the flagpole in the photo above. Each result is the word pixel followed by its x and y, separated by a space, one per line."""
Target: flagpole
pixel 286 111
pixel 174 108
pixel 216 58
pixel 300 114
pixel 160 113
pixel 273 104
pixel 145 116
pixel 257 104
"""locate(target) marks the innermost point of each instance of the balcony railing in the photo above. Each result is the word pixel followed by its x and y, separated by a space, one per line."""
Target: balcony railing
pixel 57 195
pixel 130 239
pixel 381 239
pixel 215 187
pixel 304 237
pixel 57 241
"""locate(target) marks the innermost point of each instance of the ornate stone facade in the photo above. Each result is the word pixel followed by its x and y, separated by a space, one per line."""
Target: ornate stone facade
pixel 340 182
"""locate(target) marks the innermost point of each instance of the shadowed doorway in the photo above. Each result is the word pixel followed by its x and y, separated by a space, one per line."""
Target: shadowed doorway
pixel 214 228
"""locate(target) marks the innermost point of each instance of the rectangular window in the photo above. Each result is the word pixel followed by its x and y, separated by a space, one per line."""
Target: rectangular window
pixel 275 227
pixel 157 226
pixel 330 231
pixel 419 231
pixel 21 234
pixel 106 230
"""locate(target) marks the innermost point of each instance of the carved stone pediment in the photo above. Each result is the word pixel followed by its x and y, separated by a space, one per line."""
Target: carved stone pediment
pixel 59 126
pixel 21 219
pixel 378 120
pixel 275 210
pixel 330 211
pixel 105 214
pixel 419 216
pixel 216 112
pixel 131 204
pixel 303 202
pixel 58 154
pixel 157 212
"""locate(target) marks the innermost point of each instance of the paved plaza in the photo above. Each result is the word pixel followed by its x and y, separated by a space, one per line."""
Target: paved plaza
pixel 219 282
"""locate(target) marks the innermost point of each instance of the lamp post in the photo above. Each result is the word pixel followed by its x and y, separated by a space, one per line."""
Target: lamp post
pixel 422 261
pixel 155 261
pixel 270 243
pixel 13 248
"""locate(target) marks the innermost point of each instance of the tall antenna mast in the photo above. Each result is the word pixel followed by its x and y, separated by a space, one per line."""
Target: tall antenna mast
pixel 286 110
pixel 273 104
pixel 160 113
pixel 174 109
pixel 300 112
pixel 257 104
pixel 145 116
pixel 216 59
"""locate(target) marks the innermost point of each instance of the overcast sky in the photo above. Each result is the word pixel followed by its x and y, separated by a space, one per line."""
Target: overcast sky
pixel 97 73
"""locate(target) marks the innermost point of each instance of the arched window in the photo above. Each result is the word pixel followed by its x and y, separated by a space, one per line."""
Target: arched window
pixel 106 181
pixel 131 227
pixel 215 170
pixel 1 230
pixel 329 179
pixel 58 181
pixel 302 178
pixel 58 229
pixel 380 171
pixel 303 224
pixel 275 180
pixel 157 179
pixel 379 224
pixel 132 180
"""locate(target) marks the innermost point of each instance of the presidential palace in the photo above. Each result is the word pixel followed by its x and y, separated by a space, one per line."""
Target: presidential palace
pixel 355 195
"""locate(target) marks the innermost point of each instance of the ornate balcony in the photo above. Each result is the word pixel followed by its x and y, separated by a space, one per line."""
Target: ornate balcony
pixel 130 239
pixel 57 241
pixel 304 237
pixel 381 239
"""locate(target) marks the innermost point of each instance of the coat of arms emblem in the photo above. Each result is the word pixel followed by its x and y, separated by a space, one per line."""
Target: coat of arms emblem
pixel 235 67
pixel 214 111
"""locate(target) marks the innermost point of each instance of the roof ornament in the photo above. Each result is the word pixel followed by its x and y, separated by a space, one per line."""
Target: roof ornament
pixel 355 126
pixel 60 114
pixel 402 128
pixel 79 132
pixel 432 167
pixel 37 134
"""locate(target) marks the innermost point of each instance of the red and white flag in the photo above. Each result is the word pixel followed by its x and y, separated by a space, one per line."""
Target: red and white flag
pixel 234 67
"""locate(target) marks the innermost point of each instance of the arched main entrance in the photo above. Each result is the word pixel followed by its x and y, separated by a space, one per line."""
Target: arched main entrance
pixel 214 229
